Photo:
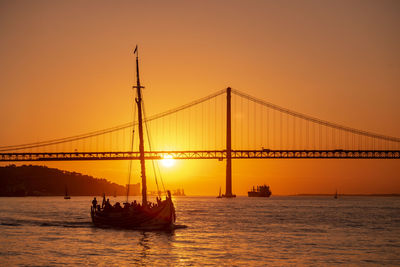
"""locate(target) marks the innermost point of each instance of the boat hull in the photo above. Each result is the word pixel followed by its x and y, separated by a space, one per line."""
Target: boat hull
pixel 258 194
pixel 156 218
pixel 261 191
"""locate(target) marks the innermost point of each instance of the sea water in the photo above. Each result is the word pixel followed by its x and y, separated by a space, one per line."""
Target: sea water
pixel 52 231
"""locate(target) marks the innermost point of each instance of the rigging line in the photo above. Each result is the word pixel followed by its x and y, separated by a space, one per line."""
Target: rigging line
pixel 316 120
pixel 131 150
pixel 162 182
pixel 149 142
pixel 152 161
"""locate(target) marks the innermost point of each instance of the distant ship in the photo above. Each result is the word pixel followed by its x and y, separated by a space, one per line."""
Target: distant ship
pixel 336 195
pixel 261 191
pixel 179 192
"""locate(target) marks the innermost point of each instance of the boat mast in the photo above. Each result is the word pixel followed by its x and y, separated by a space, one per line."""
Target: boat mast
pixel 141 142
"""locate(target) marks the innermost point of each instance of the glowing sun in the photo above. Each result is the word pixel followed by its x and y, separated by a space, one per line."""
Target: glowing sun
pixel 168 161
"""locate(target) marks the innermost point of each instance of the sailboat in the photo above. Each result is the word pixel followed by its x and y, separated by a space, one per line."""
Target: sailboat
pixel 219 196
pixel 147 216
pixel 66 196
pixel 336 195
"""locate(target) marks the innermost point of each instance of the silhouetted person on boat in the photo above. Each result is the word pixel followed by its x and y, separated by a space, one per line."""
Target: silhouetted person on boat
pixel 169 196
pixel 94 202
pixel 107 205
pixel 117 206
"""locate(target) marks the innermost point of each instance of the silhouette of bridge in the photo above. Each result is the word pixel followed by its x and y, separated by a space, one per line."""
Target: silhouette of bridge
pixel 226 125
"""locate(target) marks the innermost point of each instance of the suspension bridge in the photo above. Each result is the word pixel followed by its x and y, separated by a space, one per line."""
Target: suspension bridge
pixel 226 125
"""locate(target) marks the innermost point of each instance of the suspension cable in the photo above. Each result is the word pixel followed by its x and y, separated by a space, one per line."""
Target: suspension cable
pixel 196 102
pixel 152 161
pixel 315 120
pixel 109 130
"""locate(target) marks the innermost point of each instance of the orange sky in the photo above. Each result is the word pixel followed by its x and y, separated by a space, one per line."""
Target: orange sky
pixel 67 68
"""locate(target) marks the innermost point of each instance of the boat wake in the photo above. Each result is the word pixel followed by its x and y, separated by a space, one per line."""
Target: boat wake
pixel 146 229
pixel 69 224
pixel 179 226
pixel 42 223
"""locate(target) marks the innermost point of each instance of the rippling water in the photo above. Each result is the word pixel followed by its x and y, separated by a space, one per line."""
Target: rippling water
pixel 233 232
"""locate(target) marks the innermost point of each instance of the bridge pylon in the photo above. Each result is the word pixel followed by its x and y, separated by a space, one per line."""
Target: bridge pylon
pixel 228 189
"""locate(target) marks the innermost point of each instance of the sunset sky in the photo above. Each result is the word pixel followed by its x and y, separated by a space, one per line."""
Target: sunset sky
pixel 67 67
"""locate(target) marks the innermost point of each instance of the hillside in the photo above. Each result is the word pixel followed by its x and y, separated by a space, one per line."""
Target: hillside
pixel 28 180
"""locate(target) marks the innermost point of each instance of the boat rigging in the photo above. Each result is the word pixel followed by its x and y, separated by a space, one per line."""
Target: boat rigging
pixel 147 215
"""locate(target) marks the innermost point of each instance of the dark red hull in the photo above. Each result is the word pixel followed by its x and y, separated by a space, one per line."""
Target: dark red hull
pixel 157 218
pixel 258 194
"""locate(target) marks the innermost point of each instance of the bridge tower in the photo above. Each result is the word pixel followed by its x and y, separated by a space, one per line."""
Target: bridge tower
pixel 228 189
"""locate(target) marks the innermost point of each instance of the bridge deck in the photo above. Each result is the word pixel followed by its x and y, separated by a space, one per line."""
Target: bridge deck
pixel 205 154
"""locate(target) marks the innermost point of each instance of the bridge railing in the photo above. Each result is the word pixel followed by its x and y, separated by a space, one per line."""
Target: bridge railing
pixel 204 154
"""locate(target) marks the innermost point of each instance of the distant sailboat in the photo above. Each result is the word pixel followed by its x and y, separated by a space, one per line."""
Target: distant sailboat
pixel 219 196
pixel 66 196
pixel 336 195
